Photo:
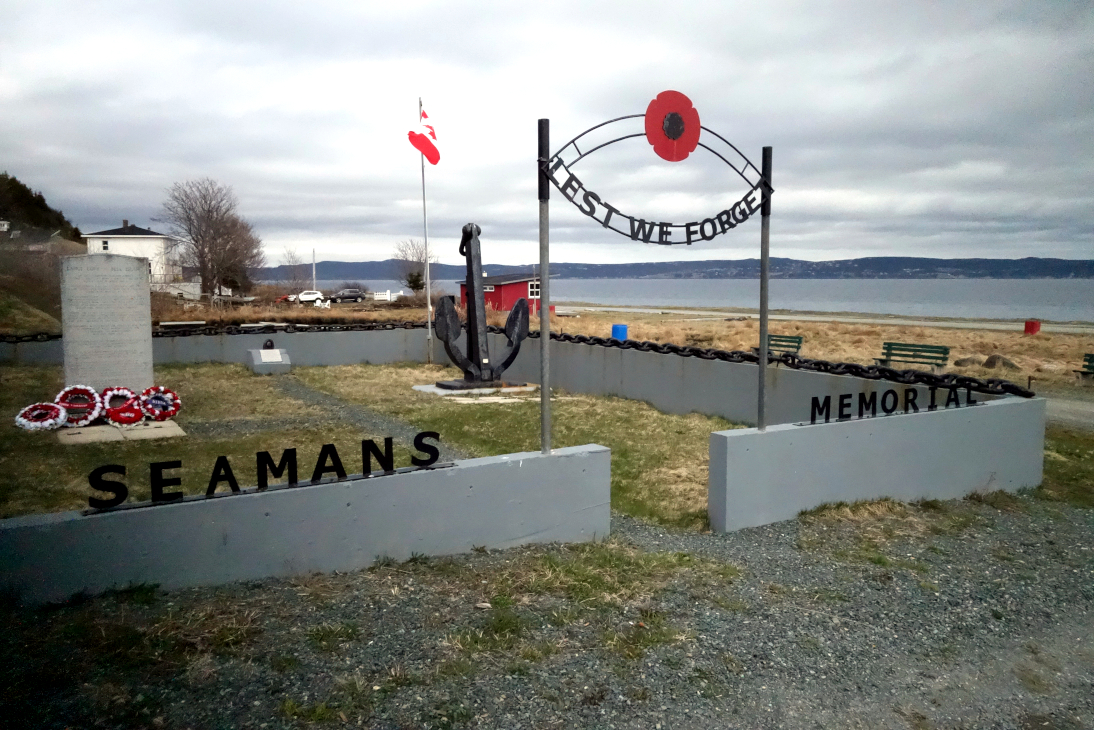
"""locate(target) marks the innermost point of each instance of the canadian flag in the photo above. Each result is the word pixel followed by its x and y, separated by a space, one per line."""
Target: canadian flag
pixel 425 140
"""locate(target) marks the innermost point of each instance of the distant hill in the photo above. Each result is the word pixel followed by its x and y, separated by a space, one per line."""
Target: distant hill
pixel 880 267
pixel 24 208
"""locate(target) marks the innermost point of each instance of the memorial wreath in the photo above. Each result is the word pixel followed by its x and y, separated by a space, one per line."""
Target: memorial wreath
pixel 41 417
pixel 159 403
pixel 128 411
pixel 82 403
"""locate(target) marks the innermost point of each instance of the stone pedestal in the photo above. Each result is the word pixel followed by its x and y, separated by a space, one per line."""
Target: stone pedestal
pixel 269 362
pixel 106 317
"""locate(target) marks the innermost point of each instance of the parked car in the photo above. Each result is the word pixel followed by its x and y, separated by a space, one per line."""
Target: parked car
pixel 285 299
pixel 348 295
pixel 307 297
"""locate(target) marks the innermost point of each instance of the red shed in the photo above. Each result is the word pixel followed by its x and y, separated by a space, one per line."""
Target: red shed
pixel 502 292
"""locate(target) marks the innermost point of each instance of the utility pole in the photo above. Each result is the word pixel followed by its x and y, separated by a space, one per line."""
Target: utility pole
pixel 313 269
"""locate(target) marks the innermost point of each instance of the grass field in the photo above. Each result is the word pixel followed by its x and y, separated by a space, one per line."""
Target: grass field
pixel 659 461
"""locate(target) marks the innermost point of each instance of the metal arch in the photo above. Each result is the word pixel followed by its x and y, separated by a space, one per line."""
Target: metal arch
pixel 734 148
pixel 582 155
pixel 594 149
pixel 598 126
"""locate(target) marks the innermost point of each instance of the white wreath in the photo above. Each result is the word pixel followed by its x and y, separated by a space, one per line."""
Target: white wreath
pixel 94 408
pixel 47 424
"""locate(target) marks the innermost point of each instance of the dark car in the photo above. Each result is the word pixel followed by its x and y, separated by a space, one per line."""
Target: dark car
pixel 348 295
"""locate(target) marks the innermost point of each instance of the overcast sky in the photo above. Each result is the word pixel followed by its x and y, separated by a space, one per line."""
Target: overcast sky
pixel 924 129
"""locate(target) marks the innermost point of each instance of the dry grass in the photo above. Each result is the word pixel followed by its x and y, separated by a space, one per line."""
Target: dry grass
pixel 16 316
pixel 659 461
pixel 1049 358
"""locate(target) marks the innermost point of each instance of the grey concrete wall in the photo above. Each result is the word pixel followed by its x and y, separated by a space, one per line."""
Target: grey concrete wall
pixel 51 352
pixel 675 384
pixel 498 502
pixel 758 478
pixel 378 347
pixel 670 383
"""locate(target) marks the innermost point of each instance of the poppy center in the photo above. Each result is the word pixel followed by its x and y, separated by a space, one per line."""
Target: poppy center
pixel 673 125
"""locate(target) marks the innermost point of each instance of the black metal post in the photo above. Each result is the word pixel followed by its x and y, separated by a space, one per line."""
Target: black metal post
pixel 544 288
pixel 765 232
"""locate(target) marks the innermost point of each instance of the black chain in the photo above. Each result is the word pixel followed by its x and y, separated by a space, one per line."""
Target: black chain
pixel 990 386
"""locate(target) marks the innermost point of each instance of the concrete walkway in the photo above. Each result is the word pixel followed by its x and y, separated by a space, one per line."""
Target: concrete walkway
pixel 1071 413
pixel 969 324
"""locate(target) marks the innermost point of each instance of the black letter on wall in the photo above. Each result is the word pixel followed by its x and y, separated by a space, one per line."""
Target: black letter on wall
pixel 119 490
pixel 910 394
pixel 867 400
pixel 968 398
pixel 265 463
pixel 386 458
pixel 327 452
pixel 432 452
pixel 885 399
pixel 845 406
pixel 159 481
pixel 953 398
pixel 222 472
pixel 819 408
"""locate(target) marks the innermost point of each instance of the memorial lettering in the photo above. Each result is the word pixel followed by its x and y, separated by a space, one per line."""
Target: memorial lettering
pixel 328 463
pixel 822 408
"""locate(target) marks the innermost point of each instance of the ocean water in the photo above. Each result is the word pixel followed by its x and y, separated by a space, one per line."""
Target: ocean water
pixel 1059 300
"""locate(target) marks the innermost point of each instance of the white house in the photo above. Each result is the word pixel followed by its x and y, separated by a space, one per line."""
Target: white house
pixel 159 249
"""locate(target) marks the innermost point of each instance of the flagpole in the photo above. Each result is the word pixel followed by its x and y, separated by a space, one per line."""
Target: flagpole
pixel 428 287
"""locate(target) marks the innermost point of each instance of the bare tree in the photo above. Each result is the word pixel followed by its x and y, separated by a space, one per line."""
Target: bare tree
pixel 216 241
pixel 409 255
pixel 295 271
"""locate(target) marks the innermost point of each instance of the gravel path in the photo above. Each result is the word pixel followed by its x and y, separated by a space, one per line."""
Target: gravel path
pixel 335 409
pixel 975 618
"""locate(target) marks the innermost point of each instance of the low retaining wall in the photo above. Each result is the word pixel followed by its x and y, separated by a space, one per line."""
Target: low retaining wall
pixel 758 478
pixel 378 347
pixel 675 384
pixel 497 502
pixel 670 383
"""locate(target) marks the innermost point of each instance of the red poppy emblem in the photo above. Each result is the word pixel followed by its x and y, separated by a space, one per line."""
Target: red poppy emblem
pixel 672 126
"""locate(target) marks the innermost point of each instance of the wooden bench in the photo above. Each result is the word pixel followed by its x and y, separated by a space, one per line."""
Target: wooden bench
pixel 936 356
pixel 782 343
pixel 1087 372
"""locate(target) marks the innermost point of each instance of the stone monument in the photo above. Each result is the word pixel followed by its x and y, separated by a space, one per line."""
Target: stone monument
pixel 106 318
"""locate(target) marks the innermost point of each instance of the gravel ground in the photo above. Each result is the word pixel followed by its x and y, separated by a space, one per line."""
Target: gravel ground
pixel 961 616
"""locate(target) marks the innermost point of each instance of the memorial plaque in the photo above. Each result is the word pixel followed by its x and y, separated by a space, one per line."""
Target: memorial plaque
pixel 106 316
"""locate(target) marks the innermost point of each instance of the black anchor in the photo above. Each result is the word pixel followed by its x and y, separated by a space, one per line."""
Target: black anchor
pixel 479 371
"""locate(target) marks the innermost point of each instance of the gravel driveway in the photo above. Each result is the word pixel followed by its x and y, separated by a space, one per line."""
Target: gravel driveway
pixel 960 615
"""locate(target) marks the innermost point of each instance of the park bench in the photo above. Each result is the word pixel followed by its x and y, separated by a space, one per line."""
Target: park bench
pixel 936 356
pixel 1087 372
pixel 782 343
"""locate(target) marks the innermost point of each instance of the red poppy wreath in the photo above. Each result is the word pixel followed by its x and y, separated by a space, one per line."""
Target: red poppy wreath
pixel 122 407
pixel 672 126
pixel 82 403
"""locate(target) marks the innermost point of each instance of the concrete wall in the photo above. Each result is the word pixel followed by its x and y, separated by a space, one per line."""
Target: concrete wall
pixel 675 384
pixel 498 502
pixel 670 383
pixel 378 347
pixel 758 478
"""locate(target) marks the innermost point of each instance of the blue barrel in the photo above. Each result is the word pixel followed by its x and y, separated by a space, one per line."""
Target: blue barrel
pixel 619 331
